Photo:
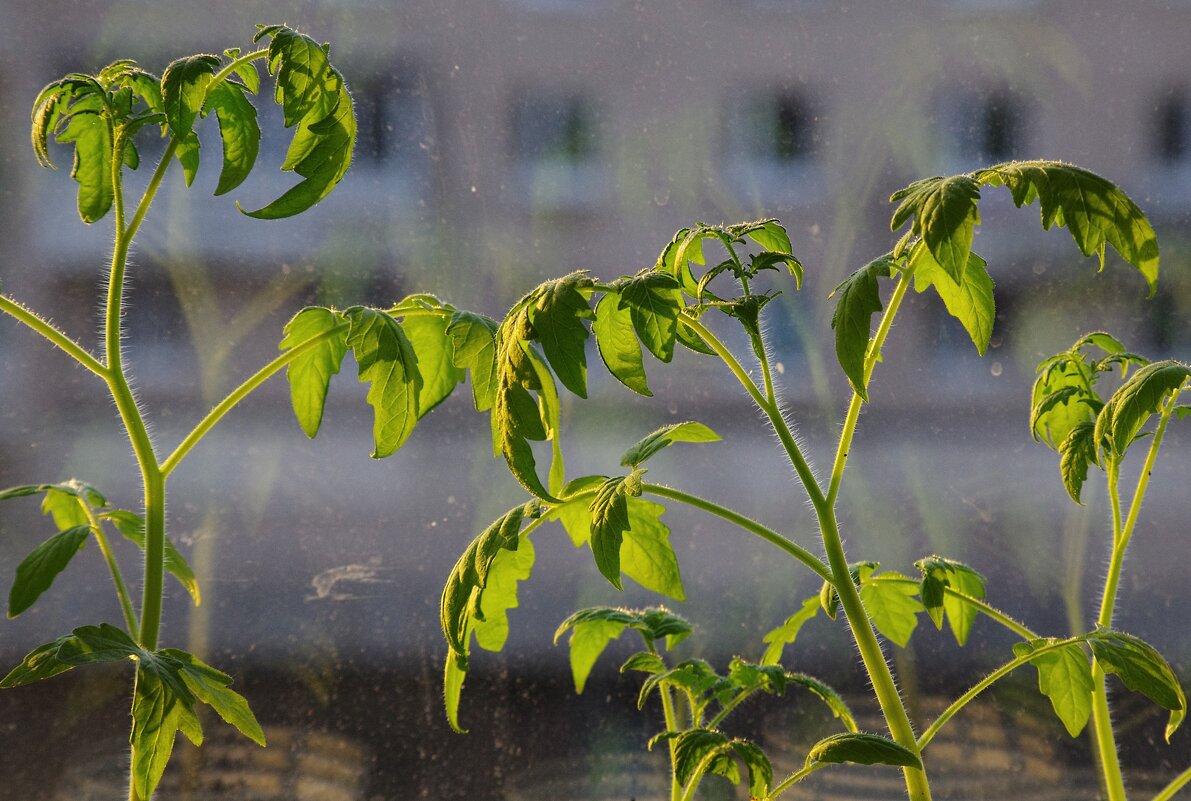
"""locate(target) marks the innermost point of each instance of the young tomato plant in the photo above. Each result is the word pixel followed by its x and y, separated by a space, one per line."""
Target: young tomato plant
pixel 414 353
pixel 103 116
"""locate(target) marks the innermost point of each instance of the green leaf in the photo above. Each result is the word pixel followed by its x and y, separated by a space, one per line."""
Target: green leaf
pixel 386 362
pixel 859 300
pixel 54 105
pixel 158 712
pixel 787 633
pixel 440 376
pixel 39 569
pixel 455 672
pixel 1095 211
pixel 944 216
pixel 1142 669
pixel 69 501
pixel 313 97
pixel 184 89
pixel 610 521
pixel 239 131
pixel 644 662
pixel 1065 677
pixel 1060 400
pixel 689 431
pixel 769 234
pixel 618 344
pixel 575 515
pixel 516 420
pixel 491 626
pixel 1076 452
pixel 557 315
pixel 939 573
pixel 310 373
pixel 213 687
pixel 1139 397
pixel 970 302
pixel 892 607
pixel 705 747
pixel 646 555
pixel 40 663
pixel 588 640
pixel 132 527
pixel 473 347
pixel 98 644
pixel 654 300
pixel 827 695
pixel 91 134
pixel 187 153
pixel 862 749
pixel 464 589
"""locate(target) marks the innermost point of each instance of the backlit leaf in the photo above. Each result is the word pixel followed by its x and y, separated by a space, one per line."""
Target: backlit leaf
pixel 654 300
pixel 184 89
pixel 428 336
pixel 971 302
pixel 588 640
pixel 239 131
pixel 473 342
pixel 944 215
pixel 892 607
pixel 1139 397
pixel 213 688
pixel 827 695
pixel 618 344
pixel 91 134
pixel 689 431
pixel 500 594
pixel 157 714
pixel 609 522
pixel 646 555
pixel 132 527
pixel 1065 677
pixel 386 362
pixel 557 315
pixel 1095 211
pixel 787 633
pixel 859 299
pixel 310 373
pixel 1076 452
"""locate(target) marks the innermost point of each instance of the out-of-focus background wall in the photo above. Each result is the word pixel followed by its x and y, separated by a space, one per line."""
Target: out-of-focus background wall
pixel 503 142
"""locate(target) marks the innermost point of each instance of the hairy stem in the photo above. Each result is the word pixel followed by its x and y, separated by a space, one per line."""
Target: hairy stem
pixel 109 558
pixel 752 526
pixel 1179 782
pixel 55 336
pixel 671 721
pixel 991 611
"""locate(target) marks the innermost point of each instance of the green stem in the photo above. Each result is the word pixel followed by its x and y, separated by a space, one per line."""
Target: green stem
pixel 671 721
pixel 1179 783
pixel 241 392
pixel 1106 747
pixel 50 332
pixel 870 361
pixel 727 709
pixel 794 778
pixel 771 410
pixel 146 199
pixel 752 526
pixel 114 568
pixel 229 68
pixel 983 685
pixel 991 611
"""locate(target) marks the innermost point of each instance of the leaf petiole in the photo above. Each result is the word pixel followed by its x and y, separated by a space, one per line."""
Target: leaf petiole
pixel 55 336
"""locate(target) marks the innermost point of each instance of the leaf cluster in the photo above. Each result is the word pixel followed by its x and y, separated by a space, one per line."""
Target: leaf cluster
pixel 102 115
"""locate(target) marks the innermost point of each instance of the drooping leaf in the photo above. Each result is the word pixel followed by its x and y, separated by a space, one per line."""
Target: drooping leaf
pixel 1095 211
pixel 38 570
pixel 1139 665
pixel 1060 400
pixel 40 663
pixel 574 512
pixel 589 638
pixel 646 555
pixel 91 134
pixel 310 373
pixel 132 527
pixel 892 607
pixel 939 573
pixel 54 105
pixel 689 431
pixel 516 420
pixel 188 155
pixel 455 672
pixel 944 214
pixel 386 362
pixel 436 363
pixel 862 749
pixel 508 568
pixel 473 343
pixel 618 344
pixel 557 315
pixel 859 299
pixel 158 712
pixel 787 633
pixel 1076 452
pixel 213 688
pixel 609 522
pixel 1065 677
pixel 184 90
pixel 718 755
pixel 239 131
pixel 769 234
pixel 313 97
pixel 970 302
pixel 839 709
pixel 654 301
pixel 1139 397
